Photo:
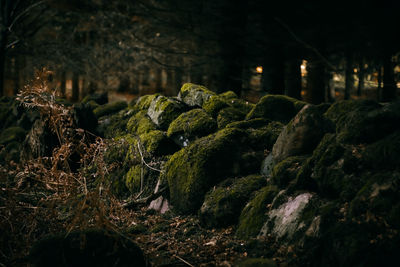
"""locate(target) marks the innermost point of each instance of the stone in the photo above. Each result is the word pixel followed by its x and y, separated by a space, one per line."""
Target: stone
pixel 194 95
pixel 109 108
pixel 163 110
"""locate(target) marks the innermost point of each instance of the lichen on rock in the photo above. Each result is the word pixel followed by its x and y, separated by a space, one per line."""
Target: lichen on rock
pixel 194 95
pixel 163 110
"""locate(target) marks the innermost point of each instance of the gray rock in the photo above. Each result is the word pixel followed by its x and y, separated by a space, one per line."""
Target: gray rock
pixel 163 110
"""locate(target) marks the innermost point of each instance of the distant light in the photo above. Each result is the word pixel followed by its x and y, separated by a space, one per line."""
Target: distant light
pixel 355 70
pixel 303 67
pixel 158 34
pixel 259 69
pixel 303 93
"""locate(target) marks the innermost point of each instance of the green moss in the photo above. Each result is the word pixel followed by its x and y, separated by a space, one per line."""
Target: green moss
pixel 229 95
pixel 341 109
pixel 276 108
pixel 254 215
pixel 140 123
pixel 157 143
pixel 194 95
pixel 245 124
pixel 163 110
pixel 191 124
pixel 12 134
pixel 265 137
pixel 109 108
pixel 223 204
pixel 143 102
pixel 93 104
pixel 242 105
pixel 229 115
pixel 256 262
pixel 133 177
pixel 286 171
pixel 192 171
pixel 214 104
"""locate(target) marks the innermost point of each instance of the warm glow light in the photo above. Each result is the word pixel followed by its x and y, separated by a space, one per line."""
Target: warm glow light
pixel 303 67
pixel 355 70
pixel 303 93
pixel 259 69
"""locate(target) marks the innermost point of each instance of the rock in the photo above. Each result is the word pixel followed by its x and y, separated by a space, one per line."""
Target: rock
pixel 286 171
pixel 12 134
pixel 265 137
pixel 228 115
pixel 302 134
pixel 194 95
pixel 115 125
pixel 267 165
pixel 99 98
pixel 143 102
pixel 246 124
pixel 253 216
pixel 84 117
pixel 109 108
pixel 214 104
pixel 191 125
pixel 160 205
pixel 164 110
pixel 140 123
pixel 284 221
pixel 276 108
pixel 223 204
pixel 192 171
pixel 229 95
pixel 86 248
pixel 256 262
pixel 157 143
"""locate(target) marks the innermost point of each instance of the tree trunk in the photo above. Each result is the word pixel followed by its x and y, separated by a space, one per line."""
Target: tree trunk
pixel 379 89
pixel 177 81
pixel 349 79
pixel 361 76
pixel 273 77
pixel 293 78
pixel 158 80
pixel 75 87
pixel 3 42
pixel 315 81
pixel 389 89
pixel 63 81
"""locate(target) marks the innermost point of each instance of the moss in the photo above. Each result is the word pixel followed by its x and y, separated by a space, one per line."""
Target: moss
pixel 242 105
pixel 223 204
pixel 140 123
pixel 143 103
pixel 93 104
pixel 163 110
pixel 228 115
pixel 99 98
pixel 109 108
pixel 133 177
pixel 286 171
pixel 192 124
pixel 276 108
pixel 192 171
pixel 157 143
pixel 229 95
pixel 114 125
pixel 214 104
pixel 341 109
pixel 194 95
pixel 265 137
pixel 245 124
pixel 253 215
pixel 12 134
pixel 256 262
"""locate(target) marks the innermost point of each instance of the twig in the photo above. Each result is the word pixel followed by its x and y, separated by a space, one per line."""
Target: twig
pixel 179 258
pixel 145 163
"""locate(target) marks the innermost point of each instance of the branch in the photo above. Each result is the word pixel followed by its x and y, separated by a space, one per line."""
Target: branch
pixel 23 13
pixel 327 62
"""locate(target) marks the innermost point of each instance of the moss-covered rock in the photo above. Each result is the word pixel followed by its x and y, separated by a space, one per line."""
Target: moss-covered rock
pixel 253 215
pixel 157 143
pixel 265 137
pixel 256 262
pixel 114 125
pixel 276 108
pixel 99 98
pixel 214 104
pixel 143 102
pixel 192 171
pixel 12 134
pixel 135 176
pixel 286 171
pixel 163 110
pixel 86 248
pixel 140 123
pixel 229 95
pixel 242 105
pixel 192 124
pixel 109 108
pixel 229 115
pixel 223 204
pixel 245 124
pixel 303 133
pixel 194 95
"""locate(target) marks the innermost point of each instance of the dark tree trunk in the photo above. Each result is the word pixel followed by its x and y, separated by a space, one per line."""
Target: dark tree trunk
pixel 349 79
pixel 361 76
pixel 177 81
pixel 273 76
pixel 75 87
pixel 158 77
pixel 293 78
pixel 63 81
pixel 379 89
pixel 315 81
pixel 3 42
pixel 389 85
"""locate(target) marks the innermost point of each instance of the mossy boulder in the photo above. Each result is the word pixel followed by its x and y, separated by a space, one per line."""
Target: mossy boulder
pixel 109 108
pixel 229 115
pixel 246 124
pixel 242 105
pixel 286 171
pixel 214 104
pixel 194 95
pixel 143 102
pixel 253 216
pixel 157 143
pixel 114 125
pixel 192 171
pixel 84 117
pixel 223 204
pixel 229 95
pixel 303 133
pixel 135 176
pixel 191 125
pixel 140 123
pixel 86 248
pixel 364 121
pixel 163 110
pixel 265 137
pixel 276 108
pixel 256 262
pixel 99 98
